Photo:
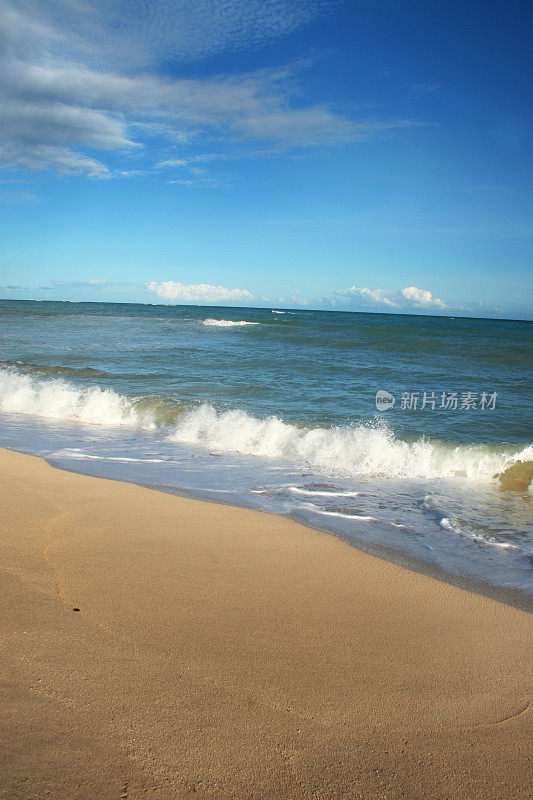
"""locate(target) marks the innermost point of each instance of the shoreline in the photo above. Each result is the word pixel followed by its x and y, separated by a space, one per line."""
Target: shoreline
pixel 224 652
pixel 510 596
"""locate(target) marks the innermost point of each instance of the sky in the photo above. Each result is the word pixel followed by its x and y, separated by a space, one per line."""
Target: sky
pixel 369 155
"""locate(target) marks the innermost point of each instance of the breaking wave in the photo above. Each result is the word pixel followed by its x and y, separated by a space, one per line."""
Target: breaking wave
pixel 227 323
pixel 351 450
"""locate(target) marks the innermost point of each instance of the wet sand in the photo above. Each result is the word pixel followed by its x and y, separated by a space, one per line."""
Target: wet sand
pixel 223 653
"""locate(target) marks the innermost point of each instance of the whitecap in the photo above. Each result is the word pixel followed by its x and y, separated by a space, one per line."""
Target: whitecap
pixel 227 323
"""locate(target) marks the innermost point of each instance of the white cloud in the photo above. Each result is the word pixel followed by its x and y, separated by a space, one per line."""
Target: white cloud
pixel 69 82
pixel 173 162
pixel 313 126
pixel 375 295
pixel 196 292
pixel 60 159
pixel 189 30
pixel 407 298
pixel 421 297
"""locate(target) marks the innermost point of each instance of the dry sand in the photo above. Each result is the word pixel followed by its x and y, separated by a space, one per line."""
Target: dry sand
pixel 224 653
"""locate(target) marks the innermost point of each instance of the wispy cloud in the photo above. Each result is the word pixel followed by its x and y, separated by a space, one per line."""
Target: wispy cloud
pixel 173 162
pixel 71 93
pixel 408 298
pixel 93 283
pixel 189 30
pixel 173 291
pixel 19 197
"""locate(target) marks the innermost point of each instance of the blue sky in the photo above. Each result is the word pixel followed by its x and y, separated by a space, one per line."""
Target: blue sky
pixel 295 153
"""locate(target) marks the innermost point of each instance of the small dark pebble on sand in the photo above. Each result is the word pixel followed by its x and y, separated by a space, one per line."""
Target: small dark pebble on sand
pixel 75 609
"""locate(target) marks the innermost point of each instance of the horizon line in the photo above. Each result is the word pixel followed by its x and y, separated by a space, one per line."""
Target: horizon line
pixel 266 307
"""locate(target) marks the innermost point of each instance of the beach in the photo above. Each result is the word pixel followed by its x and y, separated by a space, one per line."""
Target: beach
pixel 266 360
pixel 155 645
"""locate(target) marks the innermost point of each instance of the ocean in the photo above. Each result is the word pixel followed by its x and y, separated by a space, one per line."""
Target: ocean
pixel 390 431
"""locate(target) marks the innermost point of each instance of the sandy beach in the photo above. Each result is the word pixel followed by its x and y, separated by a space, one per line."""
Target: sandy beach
pixel 159 646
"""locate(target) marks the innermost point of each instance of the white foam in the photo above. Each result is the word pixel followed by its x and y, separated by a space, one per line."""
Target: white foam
pixel 79 456
pixel 447 525
pixel 227 323
pixel 297 490
pixel 358 517
pixel 58 399
pixel 350 450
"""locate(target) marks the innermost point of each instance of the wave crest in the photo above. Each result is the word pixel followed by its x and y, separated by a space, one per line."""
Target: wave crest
pixel 351 450
pixel 227 323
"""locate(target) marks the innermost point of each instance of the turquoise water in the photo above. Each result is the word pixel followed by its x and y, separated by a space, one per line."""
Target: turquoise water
pixel 277 410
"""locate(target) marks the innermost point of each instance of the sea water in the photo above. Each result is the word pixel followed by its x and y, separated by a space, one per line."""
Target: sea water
pixel 276 410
